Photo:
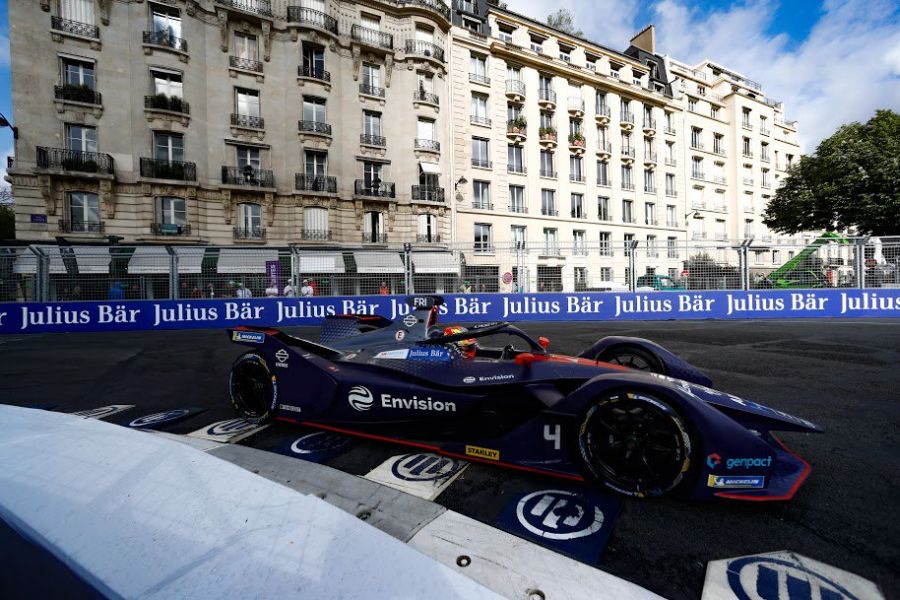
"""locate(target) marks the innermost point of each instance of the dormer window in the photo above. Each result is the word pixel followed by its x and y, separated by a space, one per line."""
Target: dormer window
pixel 565 52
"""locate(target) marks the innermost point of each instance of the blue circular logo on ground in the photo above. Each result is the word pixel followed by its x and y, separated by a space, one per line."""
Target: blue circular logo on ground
pixel 559 515
pixel 424 467
pixel 160 418
pixel 771 578
pixel 318 442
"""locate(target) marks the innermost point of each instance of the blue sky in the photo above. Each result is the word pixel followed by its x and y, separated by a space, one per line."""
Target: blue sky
pixel 830 61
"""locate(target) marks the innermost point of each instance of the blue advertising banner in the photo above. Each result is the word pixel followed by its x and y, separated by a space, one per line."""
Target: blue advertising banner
pixel 117 315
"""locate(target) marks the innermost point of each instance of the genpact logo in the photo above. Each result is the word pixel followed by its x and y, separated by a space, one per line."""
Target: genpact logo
pixel 713 460
pixel 746 463
pixel 360 398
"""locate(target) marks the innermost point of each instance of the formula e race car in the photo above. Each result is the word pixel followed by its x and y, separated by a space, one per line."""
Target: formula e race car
pixel 625 413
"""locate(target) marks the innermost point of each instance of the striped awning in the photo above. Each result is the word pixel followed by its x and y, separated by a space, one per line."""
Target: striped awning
pixel 322 262
pixel 26 261
pixel 244 260
pixel 433 263
pixel 378 262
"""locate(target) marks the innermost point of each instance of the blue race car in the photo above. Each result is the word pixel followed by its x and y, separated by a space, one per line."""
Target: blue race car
pixel 625 414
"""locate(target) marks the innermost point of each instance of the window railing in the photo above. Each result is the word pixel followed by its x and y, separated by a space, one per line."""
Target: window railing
pixel 518 207
pixel 604 181
pixel 423 96
pixel 719 150
pixel 479 78
pixel 748 181
pixel 697 145
pixel 428 238
pixel 514 168
pixel 315 183
pixel 74 160
pixel 548 173
pixel 482 204
pixel 370 139
pixel 314 73
pixel 428 193
pixel 605 147
pixel 259 7
pixel 671 192
pixel 171 229
pixel 316 235
pixel 164 102
pixel 374 238
pixel 627 117
pixel 424 48
pixel 308 16
pixel 515 86
pixel 575 104
pixel 483 248
pixel 649 123
pixel 372 37
pixel 628 151
pixel 476 120
pixel 168 169
pixel 77 93
pixel 747 153
pixel 249 233
pixel 371 90
pixel 75 28
pixel 650 189
pixel 481 163
pixel 249 121
pixel 670 130
pixel 546 95
pixel 603 111
pixel 720 179
pixel 671 162
pixel 576 177
pixel 248 175
pixel 246 64
pixel 549 211
pixel 66 226
pixel 166 39
pixel 426 144
pixel 314 127
pixel 697 175
pixel 374 188
pixel 627 186
pixel 650 157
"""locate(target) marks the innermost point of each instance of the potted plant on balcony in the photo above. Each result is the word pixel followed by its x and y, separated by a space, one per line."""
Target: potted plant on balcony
pixel 576 140
pixel 516 126
pixel 78 92
pixel 547 134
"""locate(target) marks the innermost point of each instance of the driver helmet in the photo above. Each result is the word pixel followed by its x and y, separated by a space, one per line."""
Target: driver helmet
pixel 466 346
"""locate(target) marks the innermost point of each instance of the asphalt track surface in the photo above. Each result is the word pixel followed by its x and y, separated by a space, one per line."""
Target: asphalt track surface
pixel 842 374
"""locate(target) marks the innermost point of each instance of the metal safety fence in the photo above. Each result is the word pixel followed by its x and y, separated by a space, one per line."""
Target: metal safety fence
pixel 51 273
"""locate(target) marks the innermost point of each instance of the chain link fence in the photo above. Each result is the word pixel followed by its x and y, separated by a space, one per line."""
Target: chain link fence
pixel 50 273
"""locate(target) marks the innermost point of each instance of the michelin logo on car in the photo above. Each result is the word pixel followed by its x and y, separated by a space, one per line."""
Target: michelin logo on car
pixel 361 398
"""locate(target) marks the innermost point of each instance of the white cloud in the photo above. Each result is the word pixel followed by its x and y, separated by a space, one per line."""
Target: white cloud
pixel 848 66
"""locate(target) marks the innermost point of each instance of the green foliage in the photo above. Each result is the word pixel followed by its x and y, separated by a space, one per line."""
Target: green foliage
pixel 542 131
pixel 7 222
pixel 563 20
pixel 517 123
pixel 852 181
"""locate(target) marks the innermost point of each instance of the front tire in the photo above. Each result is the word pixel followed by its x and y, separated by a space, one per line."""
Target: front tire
pixel 635 443
pixel 253 388
pixel 633 357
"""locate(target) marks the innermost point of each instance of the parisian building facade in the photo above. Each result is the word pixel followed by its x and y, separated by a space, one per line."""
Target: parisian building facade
pixel 376 123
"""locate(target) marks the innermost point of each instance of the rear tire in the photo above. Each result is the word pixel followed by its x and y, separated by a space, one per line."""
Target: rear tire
pixel 253 388
pixel 633 357
pixel 635 444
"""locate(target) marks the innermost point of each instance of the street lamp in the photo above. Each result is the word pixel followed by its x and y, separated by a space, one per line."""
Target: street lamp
pixel 4 122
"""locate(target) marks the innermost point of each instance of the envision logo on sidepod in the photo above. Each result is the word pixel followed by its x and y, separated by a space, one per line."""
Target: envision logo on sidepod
pixel 360 398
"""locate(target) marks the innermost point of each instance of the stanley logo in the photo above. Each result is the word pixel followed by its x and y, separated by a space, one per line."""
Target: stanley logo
pixel 480 452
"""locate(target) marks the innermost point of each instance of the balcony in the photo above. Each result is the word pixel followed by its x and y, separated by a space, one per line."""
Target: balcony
pixel 367 89
pixel 370 139
pixel 650 189
pixel 245 64
pixel 747 153
pixel 70 92
pixel 74 160
pixel 765 131
pixel 575 106
pixel 374 188
pixel 166 40
pixel 747 126
pixel 81 226
pixel 374 238
pixel 576 177
pixel 546 98
pixel 672 193
pixel 549 211
pixel 314 128
pixel 549 173
pixel 627 186
pixel 515 130
pixel 650 158
pixel 576 143
pixel 603 114
pixel 426 49
pixel 316 235
pixel 517 169
pixel 518 208
pixel 372 37
pixel 437 6
pixel 168 169
pixel 428 238
pixel 427 145
pixel 629 218
pixel 314 73
pixel 547 137
pixel 671 162
pixel 604 150
pixel 718 151
pixel 627 154
pixel 482 205
pixel 765 158
pixel 626 120
pixel 481 163
pixel 669 130
pixel 314 18
pixel 476 120
pixel 649 126
pixel 428 193
pixel 426 97
pixel 697 175
pixel 577 213
pixel 482 79
pixel 720 179
pixel 248 176
pixel 483 248
pixel 697 145
pixel 604 181
pixel 249 233
pixel 168 103
pixel 247 121
pixel 515 90
pixel 326 184
pixel 262 8
pixel 170 229
pixel 75 28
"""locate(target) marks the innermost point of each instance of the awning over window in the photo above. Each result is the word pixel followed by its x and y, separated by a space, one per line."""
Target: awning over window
pixel 149 260
pixel 431 263
pixel 322 262
pixel 190 260
pixel 430 168
pixel 244 260
pixel 26 261
pixel 92 260
pixel 378 262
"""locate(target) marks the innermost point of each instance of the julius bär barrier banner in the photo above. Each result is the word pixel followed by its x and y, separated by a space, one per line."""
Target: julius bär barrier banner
pixel 603 306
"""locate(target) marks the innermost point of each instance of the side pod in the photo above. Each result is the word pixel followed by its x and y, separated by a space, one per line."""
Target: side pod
pixel 674 366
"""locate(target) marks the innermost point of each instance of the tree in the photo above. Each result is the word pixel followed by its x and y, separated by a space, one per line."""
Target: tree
pixel 852 181
pixel 564 21
pixel 7 222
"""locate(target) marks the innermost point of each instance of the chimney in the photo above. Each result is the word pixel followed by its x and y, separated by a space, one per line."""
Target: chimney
pixel 645 39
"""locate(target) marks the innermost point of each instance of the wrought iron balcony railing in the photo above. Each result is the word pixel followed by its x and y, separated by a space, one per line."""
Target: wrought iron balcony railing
pixel 423 96
pixel 476 120
pixel 314 73
pixel 166 39
pixel 374 188
pixel 481 162
pixel 168 169
pixel 479 78
pixel 249 233
pixel 372 37
pixel 247 64
pixel 248 176
pixel 66 226
pixel 74 160
pixel 172 229
pixel 369 139
pixel 426 144
pixel 515 86
pixel 75 27
pixel 426 49
pixel 315 183
pixel 259 7
pixel 77 93
pixel 374 238
pixel 428 193
pixel 308 16
pixel 436 5
pixel 248 121
pixel 428 238
pixel 316 235
pixel 164 102
pixel 371 90
pixel 314 127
